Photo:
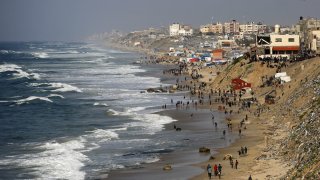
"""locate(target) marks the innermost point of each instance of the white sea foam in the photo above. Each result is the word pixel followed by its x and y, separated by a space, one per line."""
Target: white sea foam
pixel 55 95
pixel 63 87
pixel 55 161
pixel 113 112
pixel 100 104
pixel 58 87
pixel 32 98
pixel 18 72
pixel 151 123
pixel 40 55
pixel 101 135
pixel 9 67
pixel 4 51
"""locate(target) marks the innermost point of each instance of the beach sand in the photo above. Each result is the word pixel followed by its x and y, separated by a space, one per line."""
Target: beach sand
pixel 197 131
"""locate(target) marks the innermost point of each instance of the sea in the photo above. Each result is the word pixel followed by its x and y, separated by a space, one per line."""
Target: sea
pixel 74 110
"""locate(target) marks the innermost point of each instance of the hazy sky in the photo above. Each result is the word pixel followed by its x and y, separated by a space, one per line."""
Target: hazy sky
pixel 27 20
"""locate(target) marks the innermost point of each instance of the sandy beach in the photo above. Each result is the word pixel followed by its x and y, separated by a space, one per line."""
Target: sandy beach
pixel 260 133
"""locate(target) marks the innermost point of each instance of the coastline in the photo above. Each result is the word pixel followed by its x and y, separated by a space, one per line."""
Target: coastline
pixel 186 162
pixel 259 162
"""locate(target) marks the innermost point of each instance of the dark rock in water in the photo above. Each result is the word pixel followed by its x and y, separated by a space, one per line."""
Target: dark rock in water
pixel 204 150
pixel 151 90
pixel 167 167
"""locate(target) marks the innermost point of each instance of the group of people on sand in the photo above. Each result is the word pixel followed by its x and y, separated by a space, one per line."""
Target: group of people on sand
pixel 200 94
pixel 217 169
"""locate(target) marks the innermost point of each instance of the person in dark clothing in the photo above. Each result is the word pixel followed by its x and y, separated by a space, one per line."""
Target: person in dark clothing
pixel 237 164
pixel 250 178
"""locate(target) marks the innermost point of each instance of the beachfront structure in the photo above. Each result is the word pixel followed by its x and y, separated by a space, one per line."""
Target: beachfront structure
pixel 251 28
pixel 232 27
pixel 177 29
pixel 278 45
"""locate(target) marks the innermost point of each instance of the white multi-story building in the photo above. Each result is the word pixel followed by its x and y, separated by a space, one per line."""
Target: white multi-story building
pixel 252 27
pixel 177 29
pixel 279 44
pixel 174 29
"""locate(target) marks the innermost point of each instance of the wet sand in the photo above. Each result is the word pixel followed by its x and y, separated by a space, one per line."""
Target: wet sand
pixel 197 131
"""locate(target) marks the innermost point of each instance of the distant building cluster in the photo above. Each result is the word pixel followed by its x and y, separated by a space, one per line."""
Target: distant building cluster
pixel 309 31
pixel 177 29
pixel 233 27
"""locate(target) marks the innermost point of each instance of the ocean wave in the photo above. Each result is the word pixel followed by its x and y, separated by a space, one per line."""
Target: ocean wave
pixel 148 123
pixel 40 55
pixel 32 98
pixel 113 112
pixel 3 51
pixel 63 87
pixel 100 104
pixel 17 71
pixel 101 135
pixel 55 161
pixel 56 95
pixel 57 87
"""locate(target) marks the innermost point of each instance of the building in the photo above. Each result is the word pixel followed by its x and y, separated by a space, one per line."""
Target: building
pixel 218 54
pixel 232 27
pixel 304 28
pixel 177 29
pixel 276 45
pixel 216 28
pixel 205 29
pixel 251 28
pixel 174 29
pixel 314 44
pixel 226 43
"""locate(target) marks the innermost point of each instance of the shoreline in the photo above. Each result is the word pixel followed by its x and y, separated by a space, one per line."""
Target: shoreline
pixel 258 162
pixel 185 165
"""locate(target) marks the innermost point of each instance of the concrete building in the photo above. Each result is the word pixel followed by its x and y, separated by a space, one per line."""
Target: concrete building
pixel 314 44
pixel 232 27
pixel 304 28
pixel 174 29
pixel 177 29
pixel 278 45
pixel 251 28
pixel 216 28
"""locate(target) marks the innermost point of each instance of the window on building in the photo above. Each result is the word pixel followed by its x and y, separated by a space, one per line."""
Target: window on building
pixel 278 39
pixel 291 39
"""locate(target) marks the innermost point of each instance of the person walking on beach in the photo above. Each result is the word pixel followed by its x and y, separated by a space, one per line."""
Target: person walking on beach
pixel 209 170
pixel 237 164
pixel 245 149
pixel 215 168
pixel 231 163
pixel 220 168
